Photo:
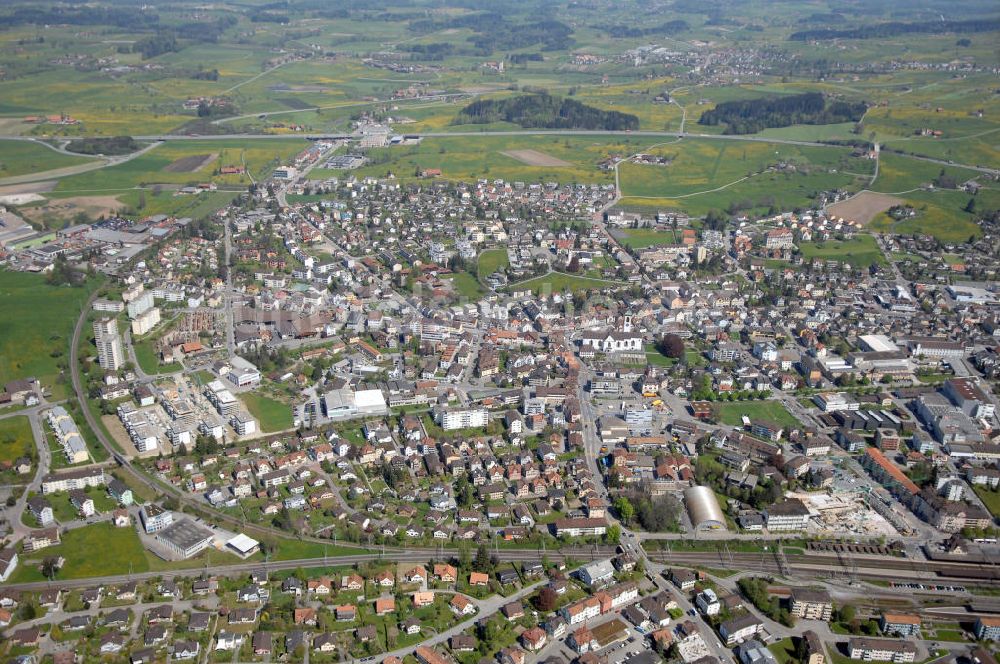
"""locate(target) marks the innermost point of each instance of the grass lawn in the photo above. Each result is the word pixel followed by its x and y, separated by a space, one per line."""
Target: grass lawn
pixel 466 285
pixel 731 413
pixel 558 281
pixel 860 251
pixel 990 498
pixel 949 635
pixel 21 157
pixel 120 550
pixel 289 549
pixel 16 439
pixel 657 359
pixel 640 238
pixel 784 651
pixel 272 415
pixel 492 260
pixel 36 328
pixel 148 360
pixel 694 358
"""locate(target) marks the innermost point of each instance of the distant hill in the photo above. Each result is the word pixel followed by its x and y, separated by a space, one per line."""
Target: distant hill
pixel 543 111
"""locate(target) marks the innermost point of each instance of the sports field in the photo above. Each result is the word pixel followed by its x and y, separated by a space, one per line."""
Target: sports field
pixel 732 413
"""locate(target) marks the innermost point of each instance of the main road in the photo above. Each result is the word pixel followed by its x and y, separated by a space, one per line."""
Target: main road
pixel 517 132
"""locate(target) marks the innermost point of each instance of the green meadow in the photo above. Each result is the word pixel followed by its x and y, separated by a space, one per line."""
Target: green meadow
pixel 36 327
pixel 21 157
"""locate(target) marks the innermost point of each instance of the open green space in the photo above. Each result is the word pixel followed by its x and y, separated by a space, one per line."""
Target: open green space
pixel 492 260
pixel 640 238
pixel 16 439
pixel 860 251
pixel 466 285
pixel 149 360
pixel 657 359
pixel 775 411
pixel 991 499
pixel 36 328
pixel 21 157
pixel 706 174
pixel 96 550
pixel 557 282
pixel 784 651
pixel 270 414
pixel 472 157
pixel 154 167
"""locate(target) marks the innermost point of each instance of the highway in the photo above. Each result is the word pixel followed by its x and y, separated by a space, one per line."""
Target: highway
pixel 512 133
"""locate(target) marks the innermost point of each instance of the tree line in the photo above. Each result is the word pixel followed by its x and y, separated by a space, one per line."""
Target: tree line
pixel 495 32
pixel 749 116
pixel 545 111
pixel 668 28
pixel 896 28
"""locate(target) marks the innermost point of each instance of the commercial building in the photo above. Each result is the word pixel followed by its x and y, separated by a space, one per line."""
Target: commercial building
pixel 242 373
pixel 831 402
pixel 185 538
pixel 597 573
pixel 789 514
pixel 154 518
pixel 703 508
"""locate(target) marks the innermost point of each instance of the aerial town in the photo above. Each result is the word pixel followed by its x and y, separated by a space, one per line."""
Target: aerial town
pixel 364 410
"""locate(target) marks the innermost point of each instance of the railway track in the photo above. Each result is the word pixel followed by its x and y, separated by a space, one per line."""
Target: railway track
pixel 901 569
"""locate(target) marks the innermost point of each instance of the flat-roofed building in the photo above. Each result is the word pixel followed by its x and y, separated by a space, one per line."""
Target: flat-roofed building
pixel 811 604
pixel 867 649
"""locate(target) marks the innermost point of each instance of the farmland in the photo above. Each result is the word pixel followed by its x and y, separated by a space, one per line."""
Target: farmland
pixel 20 157
pixel 860 251
pixel 705 174
pixel 469 158
pixel 36 327
pixel 151 169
